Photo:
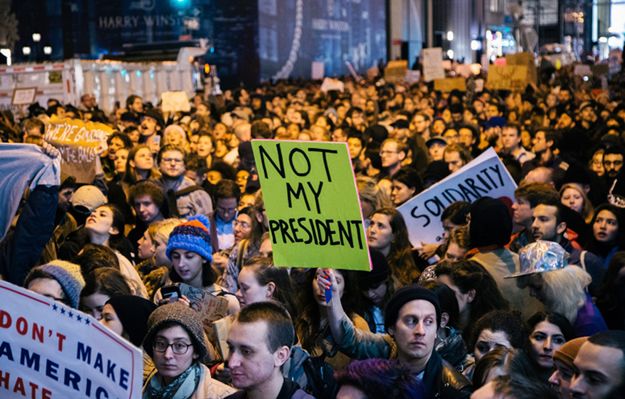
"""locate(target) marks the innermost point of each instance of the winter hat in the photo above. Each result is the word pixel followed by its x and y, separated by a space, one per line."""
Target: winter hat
pixel 192 235
pixel 89 197
pixel 133 312
pixel 66 274
pixel 182 315
pixel 405 295
pixel 567 352
pixel 491 223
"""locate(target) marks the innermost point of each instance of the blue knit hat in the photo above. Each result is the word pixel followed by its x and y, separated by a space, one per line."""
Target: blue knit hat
pixel 192 235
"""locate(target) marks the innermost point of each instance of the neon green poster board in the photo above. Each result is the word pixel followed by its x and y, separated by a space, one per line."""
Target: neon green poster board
pixel 311 201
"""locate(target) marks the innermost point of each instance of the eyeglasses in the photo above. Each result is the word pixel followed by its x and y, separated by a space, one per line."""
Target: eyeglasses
pixel 226 210
pixel 179 348
pixel 244 225
pixel 172 160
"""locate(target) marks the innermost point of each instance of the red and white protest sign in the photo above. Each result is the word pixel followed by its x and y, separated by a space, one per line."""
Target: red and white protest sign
pixel 51 351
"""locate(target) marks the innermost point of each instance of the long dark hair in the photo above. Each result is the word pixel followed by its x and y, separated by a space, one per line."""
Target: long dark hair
pixel 209 276
pixel 399 258
pixel 307 325
pixel 469 275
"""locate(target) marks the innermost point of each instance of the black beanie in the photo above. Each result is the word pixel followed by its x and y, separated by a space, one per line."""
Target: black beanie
pixel 133 312
pixel 491 223
pixel 405 295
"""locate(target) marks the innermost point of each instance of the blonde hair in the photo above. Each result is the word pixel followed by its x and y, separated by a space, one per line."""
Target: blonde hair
pixel 368 191
pixel 160 231
pixel 565 290
pixel 588 212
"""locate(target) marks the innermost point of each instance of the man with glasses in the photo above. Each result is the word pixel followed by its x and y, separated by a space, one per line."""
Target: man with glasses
pixel 392 154
pixel 184 197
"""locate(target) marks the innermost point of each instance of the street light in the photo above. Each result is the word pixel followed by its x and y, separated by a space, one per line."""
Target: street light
pixel 36 37
pixel 450 54
pixel 47 50
pixel 26 50
pixel 450 35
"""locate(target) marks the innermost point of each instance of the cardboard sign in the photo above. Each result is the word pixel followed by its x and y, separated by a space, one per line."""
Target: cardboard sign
pixel 412 76
pixel 449 84
pixel 80 144
pixel 24 96
pixel 330 84
pixel 49 350
pixel 485 176
pixel 312 204
pixel 508 77
pixel 582 70
pixel 395 71
pixel 174 101
pixel 433 64
pixel 524 59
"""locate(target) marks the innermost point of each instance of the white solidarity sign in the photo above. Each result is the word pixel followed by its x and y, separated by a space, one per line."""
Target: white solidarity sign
pixel 485 176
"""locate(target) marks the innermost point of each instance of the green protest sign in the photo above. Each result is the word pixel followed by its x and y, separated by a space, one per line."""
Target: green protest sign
pixel 310 197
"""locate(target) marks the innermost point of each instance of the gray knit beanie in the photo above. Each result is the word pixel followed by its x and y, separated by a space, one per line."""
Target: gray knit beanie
pixel 68 276
pixel 180 314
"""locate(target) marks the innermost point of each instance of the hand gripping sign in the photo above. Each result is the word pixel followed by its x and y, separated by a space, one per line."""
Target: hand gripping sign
pixel 311 200
pixel 49 350
pixel 485 176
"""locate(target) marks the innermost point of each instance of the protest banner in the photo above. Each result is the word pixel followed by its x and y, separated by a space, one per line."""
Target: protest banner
pixel 507 77
pixel 80 144
pixel 485 176
pixel 449 84
pixel 395 71
pixel 174 101
pixel 433 64
pixel 311 200
pixel 49 350
pixel 412 76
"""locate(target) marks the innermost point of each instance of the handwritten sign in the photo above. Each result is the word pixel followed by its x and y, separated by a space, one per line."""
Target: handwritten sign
pixel 80 144
pixel 313 207
pixel 524 59
pixel 507 77
pixel 24 96
pixel 433 64
pixel 484 176
pixel 395 71
pixel 450 84
pixel 174 101
pixel 48 351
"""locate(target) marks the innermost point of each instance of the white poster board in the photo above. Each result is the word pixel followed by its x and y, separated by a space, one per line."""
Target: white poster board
pixel 317 70
pixel 49 350
pixel 433 64
pixel 485 176
pixel 174 101
pixel 24 96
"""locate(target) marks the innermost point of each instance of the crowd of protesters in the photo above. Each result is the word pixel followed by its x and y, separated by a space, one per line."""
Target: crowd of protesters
pixel 168 246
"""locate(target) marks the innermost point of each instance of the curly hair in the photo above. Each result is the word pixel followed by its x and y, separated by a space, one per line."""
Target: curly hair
pixel 508 322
